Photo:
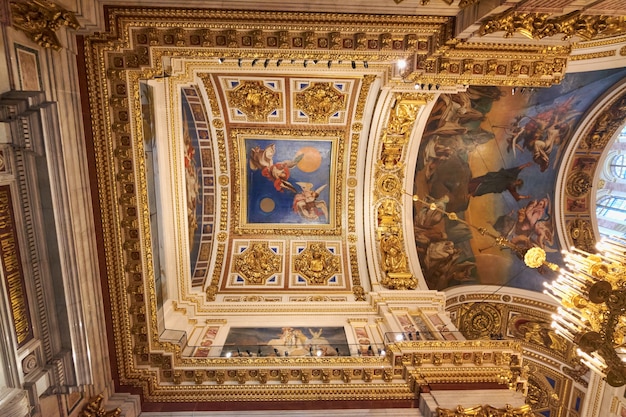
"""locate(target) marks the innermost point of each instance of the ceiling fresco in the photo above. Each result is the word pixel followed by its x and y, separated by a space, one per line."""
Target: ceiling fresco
pixel 491 155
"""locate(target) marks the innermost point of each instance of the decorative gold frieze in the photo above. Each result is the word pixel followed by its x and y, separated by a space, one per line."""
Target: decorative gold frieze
pixel 257 263
pixel 486 411
pixel 40 19
pixel 592 55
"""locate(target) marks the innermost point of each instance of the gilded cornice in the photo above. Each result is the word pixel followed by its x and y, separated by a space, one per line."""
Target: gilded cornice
pixel 540 25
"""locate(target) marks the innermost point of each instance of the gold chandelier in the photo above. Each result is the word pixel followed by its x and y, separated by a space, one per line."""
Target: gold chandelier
pixel 592 290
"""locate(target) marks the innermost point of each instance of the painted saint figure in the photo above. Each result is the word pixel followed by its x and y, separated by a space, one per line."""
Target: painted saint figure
pixel 498 182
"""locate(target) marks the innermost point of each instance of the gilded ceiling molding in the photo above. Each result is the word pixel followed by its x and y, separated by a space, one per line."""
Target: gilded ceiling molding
pixel 136 46
pixel 540 25
pixel 40 19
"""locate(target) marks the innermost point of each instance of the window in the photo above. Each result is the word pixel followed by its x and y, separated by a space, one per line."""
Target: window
pixel 612 208
pixel 618 166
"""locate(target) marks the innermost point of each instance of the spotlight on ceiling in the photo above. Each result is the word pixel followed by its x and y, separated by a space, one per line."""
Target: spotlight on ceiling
pixel 280 61
pixel 353 65
pixel 254 61
pixel 315 61
pixel 365 64
pixel 220 60
pixel 329 63
pixel 513 91
pixel 266 63
pixel 239 61
pixel 305 63
pixel 417 86
pixel 437 86
pixel 401 64
pixel 430 86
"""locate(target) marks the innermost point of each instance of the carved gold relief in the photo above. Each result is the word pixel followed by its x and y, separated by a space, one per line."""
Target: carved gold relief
pixel 254 99
pixel 480 320
pixel 257 263
pixel 316 263
pixel 578 184
pixel 540 333
pixel 40 19
pixel 320 101
pixel 541 25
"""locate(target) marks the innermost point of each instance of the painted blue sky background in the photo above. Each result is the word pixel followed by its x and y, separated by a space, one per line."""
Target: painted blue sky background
pixel 259 187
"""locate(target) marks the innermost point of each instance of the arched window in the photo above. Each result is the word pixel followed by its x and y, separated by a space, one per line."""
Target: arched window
pixel 612 207
pixel 618 166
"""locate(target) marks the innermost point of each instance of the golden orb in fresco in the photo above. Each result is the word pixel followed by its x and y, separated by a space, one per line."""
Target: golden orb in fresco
pixel 311 159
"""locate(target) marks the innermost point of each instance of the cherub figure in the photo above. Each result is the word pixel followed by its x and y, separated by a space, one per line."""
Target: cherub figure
pixel 278 172
pixel 306 204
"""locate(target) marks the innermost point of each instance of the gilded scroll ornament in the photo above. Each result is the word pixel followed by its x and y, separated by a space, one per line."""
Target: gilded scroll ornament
pixel 94 408
pixel 320 101
pixel 40 19
pixel 317 264
pixel 542 25
pixel 254 99
pixel 257 263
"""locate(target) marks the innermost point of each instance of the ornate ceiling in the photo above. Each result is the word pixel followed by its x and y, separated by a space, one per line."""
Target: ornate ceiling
pixel 255 173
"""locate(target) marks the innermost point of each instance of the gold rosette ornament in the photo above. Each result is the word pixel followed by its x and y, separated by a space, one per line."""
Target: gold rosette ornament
pixel 535 257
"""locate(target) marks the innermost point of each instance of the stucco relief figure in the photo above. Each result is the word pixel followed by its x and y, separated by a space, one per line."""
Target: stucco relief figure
pixel 279 172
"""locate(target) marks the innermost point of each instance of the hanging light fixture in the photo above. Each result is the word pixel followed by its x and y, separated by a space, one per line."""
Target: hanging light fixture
pixel 592 290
